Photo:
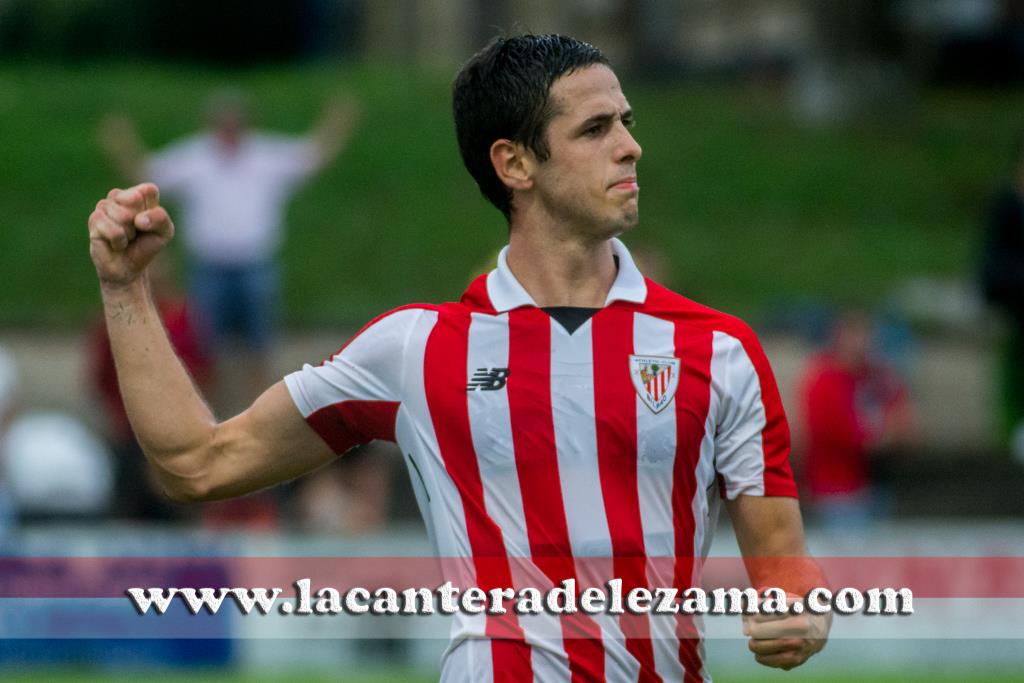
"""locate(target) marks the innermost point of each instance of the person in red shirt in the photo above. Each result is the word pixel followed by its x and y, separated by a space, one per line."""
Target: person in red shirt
pixel 854 408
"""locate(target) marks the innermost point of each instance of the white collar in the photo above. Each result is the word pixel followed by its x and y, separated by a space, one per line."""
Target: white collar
pixel 505 292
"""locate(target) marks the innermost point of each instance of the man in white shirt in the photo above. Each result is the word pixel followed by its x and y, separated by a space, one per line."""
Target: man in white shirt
pixel 233 185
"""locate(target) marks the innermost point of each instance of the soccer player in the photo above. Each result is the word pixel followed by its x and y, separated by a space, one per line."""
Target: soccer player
pixel 566 409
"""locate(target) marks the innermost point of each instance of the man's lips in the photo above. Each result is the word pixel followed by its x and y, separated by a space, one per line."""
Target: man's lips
pixel 626 184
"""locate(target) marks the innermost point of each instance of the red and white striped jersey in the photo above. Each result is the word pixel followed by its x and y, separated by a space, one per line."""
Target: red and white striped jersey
pixel 534 450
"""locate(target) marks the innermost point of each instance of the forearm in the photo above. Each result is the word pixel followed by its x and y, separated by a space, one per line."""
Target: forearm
pixel 171 421
pixel 792 570
pixel 771 536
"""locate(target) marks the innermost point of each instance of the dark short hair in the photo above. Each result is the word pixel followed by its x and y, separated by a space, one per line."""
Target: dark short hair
pixel 503 92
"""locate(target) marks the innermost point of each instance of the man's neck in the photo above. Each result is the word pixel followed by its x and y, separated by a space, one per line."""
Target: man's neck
pixel 562 271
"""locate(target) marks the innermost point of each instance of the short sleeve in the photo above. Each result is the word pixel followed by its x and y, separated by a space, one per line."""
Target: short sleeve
pixel 752 440
pixel 353 397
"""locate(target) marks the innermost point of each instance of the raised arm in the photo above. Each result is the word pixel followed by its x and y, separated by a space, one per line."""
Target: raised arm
pixel 771 537
pixel 120 141
pixel 333 130
pixel 196 457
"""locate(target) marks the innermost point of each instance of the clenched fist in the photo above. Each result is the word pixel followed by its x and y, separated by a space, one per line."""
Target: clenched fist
pixel 784 641
pixel 126 230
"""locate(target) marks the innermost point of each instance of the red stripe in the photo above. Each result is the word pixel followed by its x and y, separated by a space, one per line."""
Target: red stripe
pixel 615 416
pixel 476 297
pixel 693 398
pixel 444 375
pixel 349 423
pixel 533 439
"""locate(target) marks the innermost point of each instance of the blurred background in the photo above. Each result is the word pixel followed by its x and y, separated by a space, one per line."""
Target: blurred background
pixel 848 177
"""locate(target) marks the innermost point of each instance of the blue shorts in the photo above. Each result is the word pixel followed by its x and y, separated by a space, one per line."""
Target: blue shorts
pixel 236 300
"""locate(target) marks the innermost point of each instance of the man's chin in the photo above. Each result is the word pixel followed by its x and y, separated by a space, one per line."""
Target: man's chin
pixel 622 226
pixel 630 219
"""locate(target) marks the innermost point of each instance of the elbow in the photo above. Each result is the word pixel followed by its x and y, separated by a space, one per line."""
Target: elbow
pixel 183 477
pixel 186 495
pixel 186 491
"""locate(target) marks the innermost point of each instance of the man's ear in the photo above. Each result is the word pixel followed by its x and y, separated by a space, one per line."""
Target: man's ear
pixel 513 163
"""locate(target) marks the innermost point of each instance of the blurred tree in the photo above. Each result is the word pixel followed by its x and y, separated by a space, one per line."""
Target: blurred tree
pixel 229 32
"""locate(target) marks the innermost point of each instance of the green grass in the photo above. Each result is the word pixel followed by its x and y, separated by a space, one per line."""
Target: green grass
pixel 746 206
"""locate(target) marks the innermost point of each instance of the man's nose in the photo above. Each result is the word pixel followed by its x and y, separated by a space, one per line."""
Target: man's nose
pixel 629 149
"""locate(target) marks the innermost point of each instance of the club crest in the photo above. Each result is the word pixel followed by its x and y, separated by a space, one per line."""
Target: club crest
pixel 655 378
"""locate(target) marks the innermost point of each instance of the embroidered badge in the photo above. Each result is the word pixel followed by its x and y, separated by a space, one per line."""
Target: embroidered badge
pixel 655 378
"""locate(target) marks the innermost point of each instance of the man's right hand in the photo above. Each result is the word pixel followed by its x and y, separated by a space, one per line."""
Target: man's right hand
pixel 126 230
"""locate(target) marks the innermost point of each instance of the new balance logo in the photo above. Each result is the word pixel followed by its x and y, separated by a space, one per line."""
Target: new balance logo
pixel 488 379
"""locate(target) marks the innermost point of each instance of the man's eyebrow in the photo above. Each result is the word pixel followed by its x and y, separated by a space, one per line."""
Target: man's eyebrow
pixel 605 118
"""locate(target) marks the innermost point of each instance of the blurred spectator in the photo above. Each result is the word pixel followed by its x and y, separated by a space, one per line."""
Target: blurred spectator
pixel 855 410
pixel 137 494
pixel 233 185
pixel 1002 279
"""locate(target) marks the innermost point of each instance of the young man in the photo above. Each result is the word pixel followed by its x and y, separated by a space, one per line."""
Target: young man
pixel 565 411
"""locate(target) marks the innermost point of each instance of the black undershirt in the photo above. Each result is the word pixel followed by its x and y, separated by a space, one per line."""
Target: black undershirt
pixel 570 317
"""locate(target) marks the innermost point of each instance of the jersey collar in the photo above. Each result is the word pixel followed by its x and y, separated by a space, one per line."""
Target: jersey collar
pixel 506 293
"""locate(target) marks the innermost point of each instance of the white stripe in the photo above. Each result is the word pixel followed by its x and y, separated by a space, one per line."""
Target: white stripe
pixel 572 411
pixel 656 444
pixel 656 449
pixel 739 452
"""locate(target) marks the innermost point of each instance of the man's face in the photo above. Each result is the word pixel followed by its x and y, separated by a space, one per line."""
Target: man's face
pixel 589 181
pixel 229 127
